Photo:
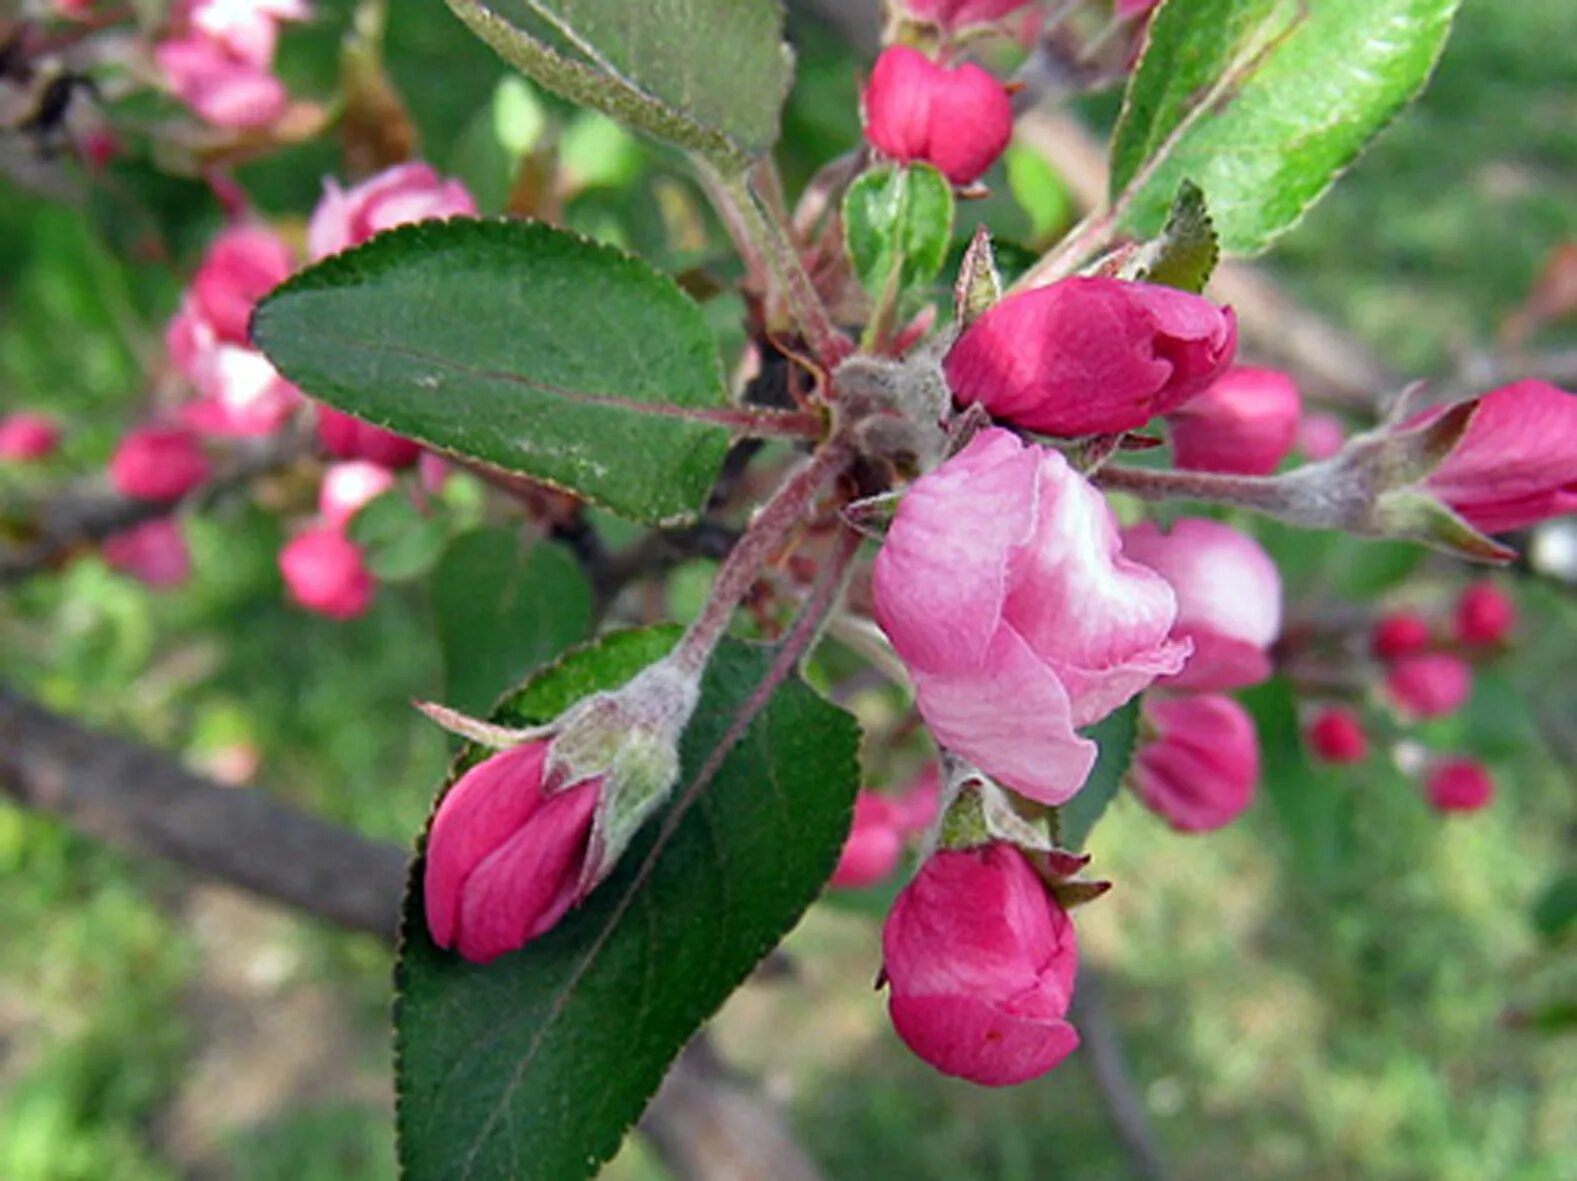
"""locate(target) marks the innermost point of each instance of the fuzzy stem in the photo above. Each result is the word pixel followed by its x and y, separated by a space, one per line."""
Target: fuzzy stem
pixel 1275 496
pixel 744 563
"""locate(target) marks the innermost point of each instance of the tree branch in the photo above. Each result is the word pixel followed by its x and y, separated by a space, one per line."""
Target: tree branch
pixel 706 1123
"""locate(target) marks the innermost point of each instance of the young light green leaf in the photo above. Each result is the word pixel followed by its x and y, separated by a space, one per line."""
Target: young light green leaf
pixel 532 1068
pixel 897 223
pixel 524 347
pixel 708 75
pixel 1264 102
pixel 502 608
pixel 1185 254
pixel 1115 735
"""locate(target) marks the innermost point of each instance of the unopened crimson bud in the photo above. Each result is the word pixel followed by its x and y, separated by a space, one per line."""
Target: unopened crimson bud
pixel 1245 423
pixel 345 437
pixel 1516 464
pixel 505 859
pixel 1400 633
pixel 1228 599
pixel 1458 785
pixel 1485 615
pixel 26 437
pixel 1336 735
pixel 158 463
pixel 981 960
pixel 1429 684
pixel 957 118
pixel 874 844
pixel 1201 769
pixel 1090 356
pixel 325 573
pixel 155 553
pixel 398 195
pixel 1003 587
pixel 242 265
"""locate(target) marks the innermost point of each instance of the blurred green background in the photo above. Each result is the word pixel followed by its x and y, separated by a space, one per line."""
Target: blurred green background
pixel 1316 992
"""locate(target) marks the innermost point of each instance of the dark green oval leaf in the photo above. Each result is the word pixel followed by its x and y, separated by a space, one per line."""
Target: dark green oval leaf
pixel 522 346
pixel 1263 102
pixel 709 75
pixel 533 1067
pixel 502 608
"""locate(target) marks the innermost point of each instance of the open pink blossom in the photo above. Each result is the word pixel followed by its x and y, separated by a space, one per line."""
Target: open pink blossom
pixel 1201 769
pixel 1516 465
pixel 981 961
pixel 221 85
pixel 874 844
pixel 325 573
pixel 1228 599
pixel 395 196
pixel 158 463
pixel 1485 615
pixel 1091 356
pixel 1458 785
pixel 1244 423
pixel 154 553
pixel 504 860
pixel 1429 684
pixel 242 395
pixel 26 437
pixel 1336 735
pixel 347 487
pixel 960 14
pixel 957 118
pixel 1003 587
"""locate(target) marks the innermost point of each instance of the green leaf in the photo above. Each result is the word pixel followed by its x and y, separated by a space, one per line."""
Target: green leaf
pixel 400 542
pixel 525 347
pixel 1555 913
pixel 708 75
pixel 1186 252
pixel 534 1066
pixel 1311 805
pixel 502 609
pixel 898 222
pixel 1267 101
pixel 1115 735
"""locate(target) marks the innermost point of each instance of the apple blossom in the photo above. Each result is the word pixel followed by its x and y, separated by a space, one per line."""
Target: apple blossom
pixel 1485 615
pixel 1228 599
pixel 325 572
pixel 1458 785
pixel 1245 423
pixel 958 118
pixel 26 437
pixel 874 844
pixel 1201 768
pixel 1003 587
pixel 345 437
pixel 959 14
pixel 1335 735
pixel 347 487
pixel 1091 356
pixel 154 552
pixel 1400 633
pixel 981 960
pixel 404 193
pixel 158 463
pixel 1429 684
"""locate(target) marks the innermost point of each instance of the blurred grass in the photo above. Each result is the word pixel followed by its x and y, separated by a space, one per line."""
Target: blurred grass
pixel 1288 1015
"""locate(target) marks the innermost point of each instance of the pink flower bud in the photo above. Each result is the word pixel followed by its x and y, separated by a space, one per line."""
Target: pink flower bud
pixel 158 463
pixel 345 437
pixel 153 552
pixel 874 844
pixel 504 859
pixel 1003 587
pixel 1320 435
pixel 25 437
pixel 220 84
pixel 1400 633
pixel 1091 356
pixel 1485 615
pixel 1429 684
pixel 1337 736
pixel 919 803
pixel 960 14
pixel 1516 465
pixel 1201 769
pixel 981 963
pixel 325 573
pixel 1244 423
pixel 395 196
pixel 242 265
pixel 1458 785
pixel 958 118
pixel 348 486
pixel 1228 599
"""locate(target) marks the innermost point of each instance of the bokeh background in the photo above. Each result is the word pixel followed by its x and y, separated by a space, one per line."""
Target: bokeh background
pixel 1327 989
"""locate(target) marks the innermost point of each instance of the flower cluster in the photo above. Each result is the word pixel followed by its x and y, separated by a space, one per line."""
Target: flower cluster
pixel 218 58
